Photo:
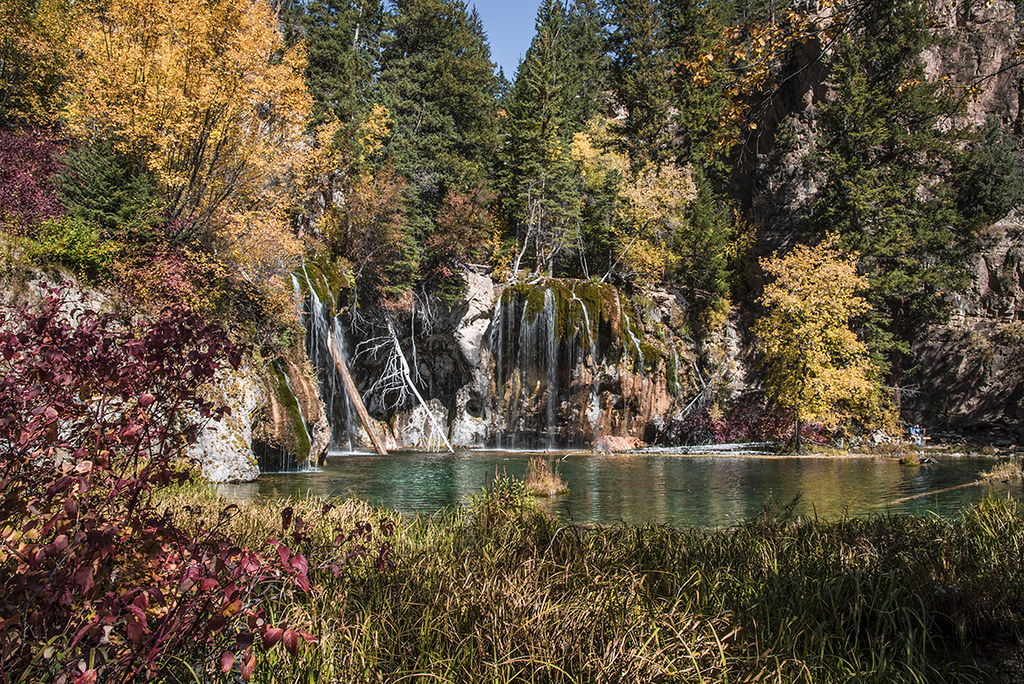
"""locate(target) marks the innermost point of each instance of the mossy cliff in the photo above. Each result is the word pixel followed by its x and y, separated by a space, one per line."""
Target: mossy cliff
pixel 575 360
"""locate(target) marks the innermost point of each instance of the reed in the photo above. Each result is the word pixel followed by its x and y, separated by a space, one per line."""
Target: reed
pixel 543 478
pixel 499 591
pixel 1009 470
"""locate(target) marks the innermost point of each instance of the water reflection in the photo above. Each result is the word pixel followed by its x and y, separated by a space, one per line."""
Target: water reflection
pixel 701 491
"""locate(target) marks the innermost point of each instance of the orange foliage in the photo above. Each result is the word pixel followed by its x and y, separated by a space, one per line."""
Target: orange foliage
pixel 163 277
pixel 205 92
pixel 368 227
pixel 462 226
pixel 33 49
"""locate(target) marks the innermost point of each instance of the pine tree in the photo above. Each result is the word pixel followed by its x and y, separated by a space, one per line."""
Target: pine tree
pixel 642 76
pixel 438 82
pixel 541 185
pixel 588 63
pixel 886 153
pixel 694 29
pixel 342 43
pixel 106 190
pixel 700 246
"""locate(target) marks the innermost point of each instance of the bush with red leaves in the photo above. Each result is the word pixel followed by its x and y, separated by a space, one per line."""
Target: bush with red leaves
pixel 752 418
pixel 95 581
pixel 28 162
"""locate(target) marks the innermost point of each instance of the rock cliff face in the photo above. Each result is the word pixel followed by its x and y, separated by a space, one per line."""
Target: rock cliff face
pixel 972 377
pixel 968 378
pixel 291 430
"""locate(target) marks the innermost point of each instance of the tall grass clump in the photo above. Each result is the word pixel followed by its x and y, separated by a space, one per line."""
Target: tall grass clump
pixel 499 591
pixel 543 478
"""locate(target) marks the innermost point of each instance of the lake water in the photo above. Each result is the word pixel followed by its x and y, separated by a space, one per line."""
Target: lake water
pixel 699 491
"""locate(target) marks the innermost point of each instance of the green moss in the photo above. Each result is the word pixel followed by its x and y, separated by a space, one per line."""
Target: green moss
pixel 571 299
pixel 640 350
pixel 326 278
pixel 577 302
pixel 290 403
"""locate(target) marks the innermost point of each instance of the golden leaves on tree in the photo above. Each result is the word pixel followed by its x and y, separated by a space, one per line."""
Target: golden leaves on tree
pixel 204 93
pixel 813 362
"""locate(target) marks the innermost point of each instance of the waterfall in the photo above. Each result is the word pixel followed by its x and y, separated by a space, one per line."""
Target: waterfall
pixel 542 335
pixel 550 317
pixel 593 408
pixel 318 319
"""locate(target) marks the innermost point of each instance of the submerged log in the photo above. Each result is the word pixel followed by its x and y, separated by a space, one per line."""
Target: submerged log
pixel 353 395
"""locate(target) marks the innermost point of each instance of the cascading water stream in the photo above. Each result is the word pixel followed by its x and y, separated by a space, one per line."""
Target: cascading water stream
pixel 551 362
pixel 319 322
pixel 593 410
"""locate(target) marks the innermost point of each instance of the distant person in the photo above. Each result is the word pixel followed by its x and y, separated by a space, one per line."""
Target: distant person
pixel 917 434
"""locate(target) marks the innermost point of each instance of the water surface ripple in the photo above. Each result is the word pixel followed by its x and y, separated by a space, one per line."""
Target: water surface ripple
pixel 699 491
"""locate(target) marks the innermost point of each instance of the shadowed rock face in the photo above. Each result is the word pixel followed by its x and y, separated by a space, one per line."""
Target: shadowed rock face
pixel 972 376
pixel 968 377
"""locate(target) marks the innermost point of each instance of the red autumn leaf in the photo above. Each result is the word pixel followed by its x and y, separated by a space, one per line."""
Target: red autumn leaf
pixel 250 665
pixel 87 677
pixel 272 636
pixel 136 629
pixel 291 640
pixel 227 660
pixel 83 578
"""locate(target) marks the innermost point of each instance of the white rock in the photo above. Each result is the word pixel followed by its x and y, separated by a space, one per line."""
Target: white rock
pixel 224 450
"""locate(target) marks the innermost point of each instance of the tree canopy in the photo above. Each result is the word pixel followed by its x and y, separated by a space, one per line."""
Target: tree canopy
pixel 813 361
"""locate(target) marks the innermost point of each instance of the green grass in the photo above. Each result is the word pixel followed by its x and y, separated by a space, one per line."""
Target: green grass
pixel 501 592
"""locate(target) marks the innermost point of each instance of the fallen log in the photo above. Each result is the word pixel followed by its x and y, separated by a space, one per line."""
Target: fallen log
pixel 353 395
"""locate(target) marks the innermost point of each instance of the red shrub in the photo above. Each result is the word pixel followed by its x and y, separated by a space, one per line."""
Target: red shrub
pixel 28 161
pixel 93 417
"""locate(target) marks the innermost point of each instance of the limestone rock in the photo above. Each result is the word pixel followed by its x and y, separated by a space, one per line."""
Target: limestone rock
pixel 416 429
pixel 612 443
pixel 224 450
pixel 472 419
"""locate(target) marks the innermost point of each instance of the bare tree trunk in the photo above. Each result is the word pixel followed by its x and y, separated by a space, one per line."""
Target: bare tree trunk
pixel 416 392
pixel 353 395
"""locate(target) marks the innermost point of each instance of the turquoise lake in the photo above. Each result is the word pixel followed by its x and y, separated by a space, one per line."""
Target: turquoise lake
pixel 692 490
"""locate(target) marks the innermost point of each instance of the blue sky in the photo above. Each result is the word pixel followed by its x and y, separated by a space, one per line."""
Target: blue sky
pixel 509 26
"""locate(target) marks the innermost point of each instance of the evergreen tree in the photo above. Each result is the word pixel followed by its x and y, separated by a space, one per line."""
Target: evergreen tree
pixel 106 190
pixel 695 28
pixel 342 43
pixel 990 176
pixel 438 82
pixel 700 246
pixel 886 152
pixel 588 63
pixel 541 186
pixel 642 76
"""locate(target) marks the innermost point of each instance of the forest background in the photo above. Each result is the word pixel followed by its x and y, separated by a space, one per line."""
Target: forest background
pixel 192 153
